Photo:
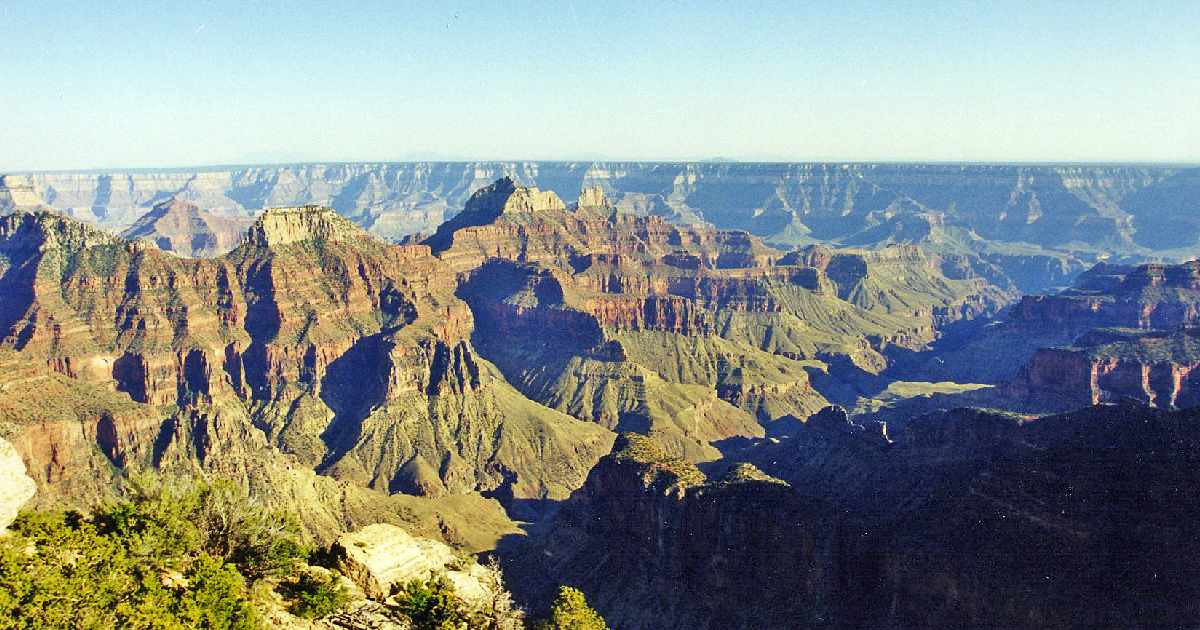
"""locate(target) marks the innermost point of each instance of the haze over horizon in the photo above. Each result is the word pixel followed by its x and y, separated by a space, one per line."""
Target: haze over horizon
pixel 100 87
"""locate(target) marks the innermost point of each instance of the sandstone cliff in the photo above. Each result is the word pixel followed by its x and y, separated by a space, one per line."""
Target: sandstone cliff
pixel 348 356
pixel 1119 332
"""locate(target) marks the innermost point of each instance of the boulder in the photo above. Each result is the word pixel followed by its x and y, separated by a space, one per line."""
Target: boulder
pixel 379 556
pixel 15 486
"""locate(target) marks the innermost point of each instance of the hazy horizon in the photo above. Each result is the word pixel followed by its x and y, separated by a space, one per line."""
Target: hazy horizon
pixel 280 164
pixel 211 84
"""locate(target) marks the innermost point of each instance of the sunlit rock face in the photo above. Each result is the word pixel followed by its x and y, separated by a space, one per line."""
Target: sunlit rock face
pixel 382 556
pixel 16 488
pixel 350 356
pixel 1129 332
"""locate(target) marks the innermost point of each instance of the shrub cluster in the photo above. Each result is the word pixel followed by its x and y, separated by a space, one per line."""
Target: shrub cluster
pixel 170 556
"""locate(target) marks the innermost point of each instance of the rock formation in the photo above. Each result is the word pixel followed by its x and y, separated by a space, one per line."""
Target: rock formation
pixel 17 193
pixel 449 386
pixel 183 228
pixel 16 488
pixel 967 519
pixel 654 544
pixel 1047 205
pixel 350 356
pixel 378 557
pixel 1120 332
pixel 691 333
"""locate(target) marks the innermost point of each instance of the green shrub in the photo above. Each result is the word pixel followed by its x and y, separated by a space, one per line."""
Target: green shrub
pixel 172 556
pixel 218 518
pixel 431 604
pixel 570 611
pixel 215 597
pixel 314 596
pixel 59 571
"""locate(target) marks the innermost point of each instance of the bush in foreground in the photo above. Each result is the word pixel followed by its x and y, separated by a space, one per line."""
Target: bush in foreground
pixel 171 556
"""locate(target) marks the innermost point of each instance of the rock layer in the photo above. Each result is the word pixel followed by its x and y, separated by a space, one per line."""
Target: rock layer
pixel 1129 208
pixel 378 557
pixel 185 229
pixel 350 356
pixel 688 332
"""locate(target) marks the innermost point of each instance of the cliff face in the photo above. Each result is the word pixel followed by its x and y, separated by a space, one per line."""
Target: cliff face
pixel 1131 209
pixel 744 551
pixel 965 519
pixel 1156 368
pixel 688 332
pixel 15 486
pixel 185 229
pixel 1145 296
pixel 1128 333
pixel 349 356
pixel 17 193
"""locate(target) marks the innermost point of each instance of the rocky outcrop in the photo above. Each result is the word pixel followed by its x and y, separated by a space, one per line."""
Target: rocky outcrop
pixel 350 356
pixel 284 226
pixel 1154 368
pixel 1120 332
pixel 741 551
pixel 16 488
pixel 17 193
pixel 965 518
pixel 185 229
pixel 379 557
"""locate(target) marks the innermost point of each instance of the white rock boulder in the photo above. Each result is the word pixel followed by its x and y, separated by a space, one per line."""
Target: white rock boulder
pixel 15 486
pixel 379 556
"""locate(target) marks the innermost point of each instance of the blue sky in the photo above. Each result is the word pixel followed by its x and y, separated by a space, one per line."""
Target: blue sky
pixel 105 85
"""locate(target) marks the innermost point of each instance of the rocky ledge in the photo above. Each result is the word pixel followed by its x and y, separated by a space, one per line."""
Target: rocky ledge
pixel 284 226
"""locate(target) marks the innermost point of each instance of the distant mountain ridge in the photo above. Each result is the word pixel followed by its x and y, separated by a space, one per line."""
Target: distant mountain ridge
pixel 1127 210
pixel 186 229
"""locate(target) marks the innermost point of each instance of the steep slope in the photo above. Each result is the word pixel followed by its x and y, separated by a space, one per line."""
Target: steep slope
pixel 1119 332
pixel 183 228
pixel 967 519
pixel 350 356
pixel 742 551
pixel 686 332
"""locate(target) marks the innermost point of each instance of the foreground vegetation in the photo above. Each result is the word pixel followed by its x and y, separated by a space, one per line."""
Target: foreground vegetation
pixel 170 556
pixel 204 555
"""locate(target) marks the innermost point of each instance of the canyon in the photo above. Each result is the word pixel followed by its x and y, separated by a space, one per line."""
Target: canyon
pixel 966 519
pixel 630 395
pixel 1039 222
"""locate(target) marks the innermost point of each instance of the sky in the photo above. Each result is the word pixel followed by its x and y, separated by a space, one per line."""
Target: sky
pixel 124 85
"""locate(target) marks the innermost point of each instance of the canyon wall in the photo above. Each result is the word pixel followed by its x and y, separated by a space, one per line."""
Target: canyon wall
pixel 1120 208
